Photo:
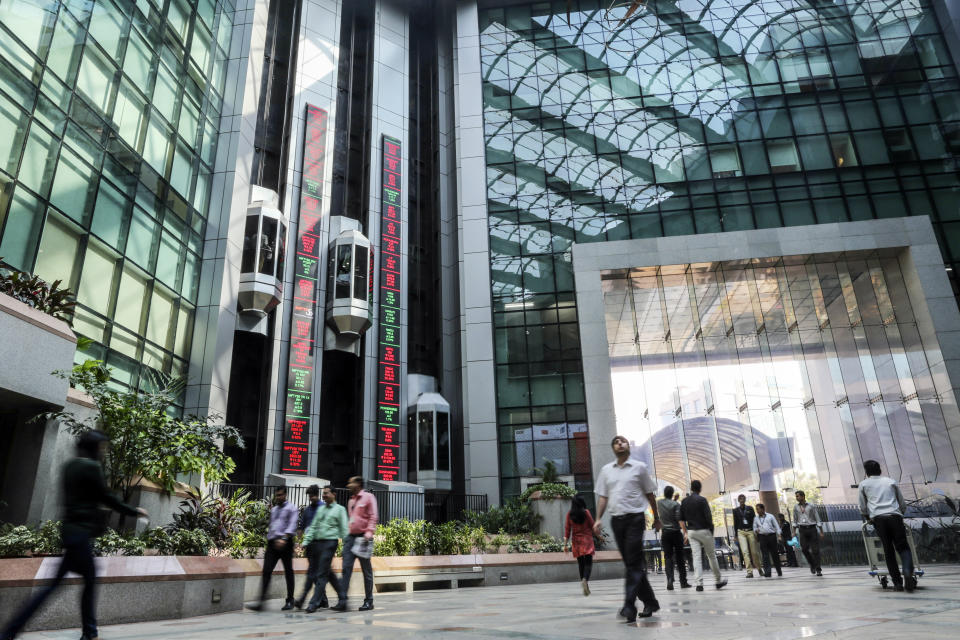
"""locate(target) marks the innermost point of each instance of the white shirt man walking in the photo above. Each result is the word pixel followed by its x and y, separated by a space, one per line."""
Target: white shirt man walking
pixel 882 502
pixel 767 530
pixel 627 490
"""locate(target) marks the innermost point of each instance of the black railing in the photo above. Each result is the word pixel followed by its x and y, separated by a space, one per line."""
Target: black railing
pixel 435 508
pixel 442 507
pixel 226 490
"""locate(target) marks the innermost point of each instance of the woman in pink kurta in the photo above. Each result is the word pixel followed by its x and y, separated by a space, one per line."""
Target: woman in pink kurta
pixel 579 527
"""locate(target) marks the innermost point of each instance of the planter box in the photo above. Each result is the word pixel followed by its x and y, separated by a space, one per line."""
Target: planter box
pixel 34 345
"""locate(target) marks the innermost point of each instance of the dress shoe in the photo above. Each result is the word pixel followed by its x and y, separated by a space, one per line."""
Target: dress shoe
pixel 767 575
pixel 819 573
pixel 324 604
pixel 699 587
pixel 649 610
pixel 812 570
pixel 287 605
pixel 366 606
pixel 256 606
pixel 685 585
pixel 721 584
pixel 629 614
pixel 340 606
pixel 779 573
pixel 910 584
pixel 311 609
pixel 298 603
pixel 585 587
pixel 898 587
pixel 749 574
pixel 669 586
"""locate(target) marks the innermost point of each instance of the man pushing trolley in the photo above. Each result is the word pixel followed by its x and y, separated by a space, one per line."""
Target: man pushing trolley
pixel 883 506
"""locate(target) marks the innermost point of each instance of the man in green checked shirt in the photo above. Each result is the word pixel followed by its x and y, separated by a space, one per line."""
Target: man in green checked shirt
pixel 329 525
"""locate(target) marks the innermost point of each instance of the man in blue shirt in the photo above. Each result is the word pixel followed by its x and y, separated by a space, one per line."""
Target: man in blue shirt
pixel 309 550
pixel 280 541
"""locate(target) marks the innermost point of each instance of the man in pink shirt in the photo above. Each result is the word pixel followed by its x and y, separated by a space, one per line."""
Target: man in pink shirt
pixel 362 509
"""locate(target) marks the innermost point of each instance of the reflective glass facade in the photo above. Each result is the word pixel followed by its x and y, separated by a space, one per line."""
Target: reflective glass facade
pixel 694 116
pixel 775 373
pixel 109 115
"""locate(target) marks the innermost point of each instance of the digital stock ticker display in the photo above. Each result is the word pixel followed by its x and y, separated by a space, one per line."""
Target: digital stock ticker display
pixel 301 363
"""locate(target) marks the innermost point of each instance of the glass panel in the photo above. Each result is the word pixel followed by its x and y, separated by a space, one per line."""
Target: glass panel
pixel 131 298
pixel 443 441
pixel 342 281
pixel 160 322
pixel 425 440
pixel 168 259
pixel 29 20
pixel 95 80
pixel 96 283
pixel 59 248
pixel 184 331
pixel 250 237
pixel 39 158
pixel 109 215
pixel 143 233
pixel 360 266
pixel 107 25
pixel 13 130
pixel 267 255
pixel 21 231
pixel 73 187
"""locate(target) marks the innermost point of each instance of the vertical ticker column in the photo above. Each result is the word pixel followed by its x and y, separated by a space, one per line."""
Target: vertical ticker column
pixel 388 368
pixel 301 363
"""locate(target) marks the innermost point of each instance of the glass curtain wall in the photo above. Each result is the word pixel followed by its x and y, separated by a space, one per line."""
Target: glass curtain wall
pixel 689 117
pixel 774 373
pixel 108 129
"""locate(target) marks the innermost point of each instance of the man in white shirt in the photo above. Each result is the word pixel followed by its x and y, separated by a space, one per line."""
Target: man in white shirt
pixel 807 521
pixel 882 502
pixel 767 530
pixel 627 490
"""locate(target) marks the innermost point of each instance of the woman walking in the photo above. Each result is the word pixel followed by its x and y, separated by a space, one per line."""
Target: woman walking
pixel 579 529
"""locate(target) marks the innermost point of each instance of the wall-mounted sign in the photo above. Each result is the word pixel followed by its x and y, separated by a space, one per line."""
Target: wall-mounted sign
pixel 301 363
pixel 388 370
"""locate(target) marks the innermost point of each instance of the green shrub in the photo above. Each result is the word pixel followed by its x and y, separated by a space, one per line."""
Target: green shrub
pixel 398 536
pixel 246 544
pixel 17 542
pixel 442 538
pixel 519 545
pixel 552 545
pixel 419 543
pixel 381 546
pixel 48 538
pixel 112 543
pixel 549 491
pixel 158 538
pixel 185 542
pixel 514 517
pixel 499 540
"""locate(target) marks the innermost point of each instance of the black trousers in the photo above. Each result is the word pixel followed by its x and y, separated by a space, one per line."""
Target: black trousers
pixel 365 565
pixel 893 535
pixel 810 545
pixel 312 553
pixel 270 558
pixel 585 564
pixel 324 551
pixel 768 550
pixel 628 532
pixel 77 557
pixel 672 543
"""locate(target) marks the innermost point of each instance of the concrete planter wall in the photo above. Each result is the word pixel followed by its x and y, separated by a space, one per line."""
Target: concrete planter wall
pixel 553 512
pixel 138 589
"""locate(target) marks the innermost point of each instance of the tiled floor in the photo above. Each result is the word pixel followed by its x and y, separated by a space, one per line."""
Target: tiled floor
pixel 845 603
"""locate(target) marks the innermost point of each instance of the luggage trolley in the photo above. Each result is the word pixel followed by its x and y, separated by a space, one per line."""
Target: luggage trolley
pixel 878 563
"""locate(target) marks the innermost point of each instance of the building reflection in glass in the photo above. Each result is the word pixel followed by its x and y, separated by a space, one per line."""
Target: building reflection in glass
pixel 744 374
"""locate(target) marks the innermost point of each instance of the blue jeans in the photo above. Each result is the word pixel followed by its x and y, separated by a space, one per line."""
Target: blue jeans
pixel 365 565
pixel 77 557
pixel 322 552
